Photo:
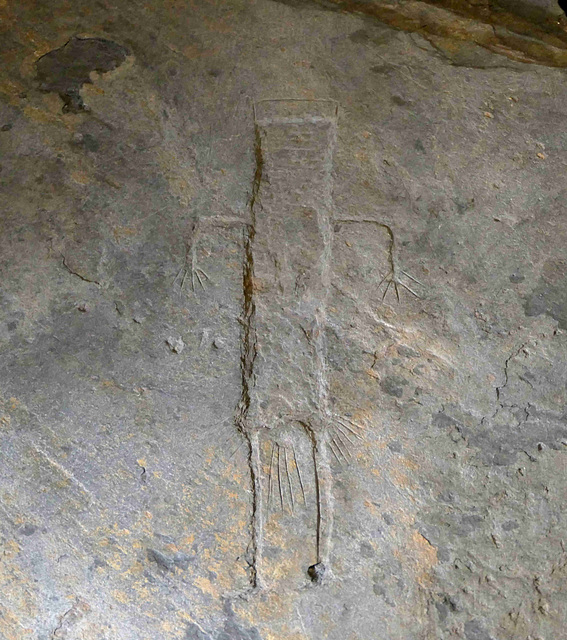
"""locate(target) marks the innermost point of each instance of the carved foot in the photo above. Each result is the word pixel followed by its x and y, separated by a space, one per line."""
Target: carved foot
pixel 197 275
pixel 393 279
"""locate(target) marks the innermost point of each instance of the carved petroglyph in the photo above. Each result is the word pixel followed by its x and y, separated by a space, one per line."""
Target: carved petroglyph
pixel 288 282
pixel 191 275
pixel 395 276
pixel 289 258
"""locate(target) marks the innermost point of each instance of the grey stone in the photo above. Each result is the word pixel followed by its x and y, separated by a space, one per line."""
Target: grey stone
pixel 394 385
pixel 193 632
pixel 352 422
pixel 474 630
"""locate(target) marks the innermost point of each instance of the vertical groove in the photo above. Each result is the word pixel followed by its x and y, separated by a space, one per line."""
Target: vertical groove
pixel 324 221
pixel 247 357
pixel 323 476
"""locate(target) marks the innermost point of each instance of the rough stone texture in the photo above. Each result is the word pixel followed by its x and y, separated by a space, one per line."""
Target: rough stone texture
pixel 127 499
pixel 532 31
pixel 65 70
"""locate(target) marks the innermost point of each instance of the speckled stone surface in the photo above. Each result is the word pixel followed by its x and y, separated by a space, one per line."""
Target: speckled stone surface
pixel 278 372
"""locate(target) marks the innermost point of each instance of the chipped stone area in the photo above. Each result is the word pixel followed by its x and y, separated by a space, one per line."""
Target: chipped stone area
pixel 323 347
pixel 67 69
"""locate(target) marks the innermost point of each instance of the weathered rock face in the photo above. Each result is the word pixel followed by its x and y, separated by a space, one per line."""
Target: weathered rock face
pixel 313 346
pixel 65 70
pixel 530 31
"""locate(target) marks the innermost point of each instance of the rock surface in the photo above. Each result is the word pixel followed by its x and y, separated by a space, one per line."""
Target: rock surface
pixel 135 260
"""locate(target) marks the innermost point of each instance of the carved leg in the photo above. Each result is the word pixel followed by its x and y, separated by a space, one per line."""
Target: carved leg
pixel 324 496
pixel 257 521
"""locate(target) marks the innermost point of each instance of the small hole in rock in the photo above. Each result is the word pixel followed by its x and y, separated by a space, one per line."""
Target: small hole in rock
pixel 316 572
